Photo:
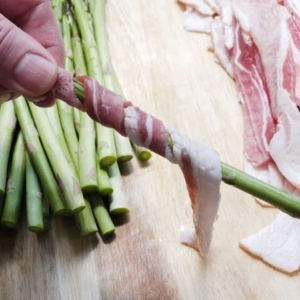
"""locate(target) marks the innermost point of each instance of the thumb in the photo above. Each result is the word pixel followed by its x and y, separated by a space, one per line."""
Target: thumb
pixel 26 67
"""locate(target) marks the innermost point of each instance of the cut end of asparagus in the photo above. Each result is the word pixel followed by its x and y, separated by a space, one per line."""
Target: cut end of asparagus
pixel 108 232
pixel 90 188
pixel 9 224
pixel 125 158
pixel 78 209
pixel 119 210
pixel 107 161
pixel 105 191
pixel 144 156
pixel 37 228
pixel 88 232
pixel 59 212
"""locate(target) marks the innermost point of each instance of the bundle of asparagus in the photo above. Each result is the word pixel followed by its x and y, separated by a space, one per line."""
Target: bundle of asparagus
pixel 65 162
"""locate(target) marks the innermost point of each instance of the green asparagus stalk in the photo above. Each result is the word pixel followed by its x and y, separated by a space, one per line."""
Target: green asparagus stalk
pixel 281 199
pixel 8 123
pixel 97 10
pixel 118 200
pixel 64 110
pixel 15 184
pixel 38 157
pixel 106 149
pixel 53 116
pixel 105 224
pixel 87 155
pixel 34 196
pixel 123 147
pixel 105 187
pixel 85 220
pixel 142 153
pixel 107 154
pixel 67 179
pixel 87 133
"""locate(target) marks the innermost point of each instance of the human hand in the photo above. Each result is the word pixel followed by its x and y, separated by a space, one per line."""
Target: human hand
pixel 31 49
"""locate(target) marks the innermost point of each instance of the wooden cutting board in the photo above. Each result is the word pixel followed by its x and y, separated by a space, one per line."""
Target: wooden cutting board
pixel 170 73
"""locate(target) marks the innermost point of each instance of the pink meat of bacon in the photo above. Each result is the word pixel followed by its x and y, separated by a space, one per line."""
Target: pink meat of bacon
pixel 269 25
pixel 200 166
pixel 259 126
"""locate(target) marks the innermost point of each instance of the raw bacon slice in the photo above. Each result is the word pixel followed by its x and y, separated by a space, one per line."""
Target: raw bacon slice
pixel 202 171
pixel 277 244
pixel 200 165
pixel 268 25
pixel 259 126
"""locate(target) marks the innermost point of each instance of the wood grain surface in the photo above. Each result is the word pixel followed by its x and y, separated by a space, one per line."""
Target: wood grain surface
pixel 170 73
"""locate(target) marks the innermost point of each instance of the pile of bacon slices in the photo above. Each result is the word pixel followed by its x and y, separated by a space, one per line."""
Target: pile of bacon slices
pixel 258 44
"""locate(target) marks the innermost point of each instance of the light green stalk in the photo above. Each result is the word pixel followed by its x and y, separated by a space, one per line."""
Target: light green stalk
pixel 38 157
pixel 53 116
pixel 67 179
pixel 65 111
pixel 87 134
pixel 85 220
pixel 34 197
pixel 118 200
pixel 107 154
pixel 97 10
pixel 105 187
pixel 105 224
pixel 15 185
pixel 8 123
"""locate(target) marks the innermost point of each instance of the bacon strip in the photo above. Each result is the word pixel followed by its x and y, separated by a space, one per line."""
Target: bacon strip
pixel 253 92
pixel 200 166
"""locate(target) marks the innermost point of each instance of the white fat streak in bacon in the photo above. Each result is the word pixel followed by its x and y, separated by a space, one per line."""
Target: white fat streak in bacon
pixel 258 87
pixel 277 244
pixel 131 125
pixel 206 171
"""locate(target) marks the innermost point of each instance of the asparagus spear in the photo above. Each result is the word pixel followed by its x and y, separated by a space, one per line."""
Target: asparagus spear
pixel 8 123
pixel 105 224
pixel 87 134
pixel 106 154
pixel 15 184
pixel 66 178
pixel 123 145
pixel 38 157
pixel 85 220
pixel 118 200
pixel 34 199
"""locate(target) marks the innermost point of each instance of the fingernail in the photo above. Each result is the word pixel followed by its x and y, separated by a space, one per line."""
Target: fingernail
pixel 35 74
